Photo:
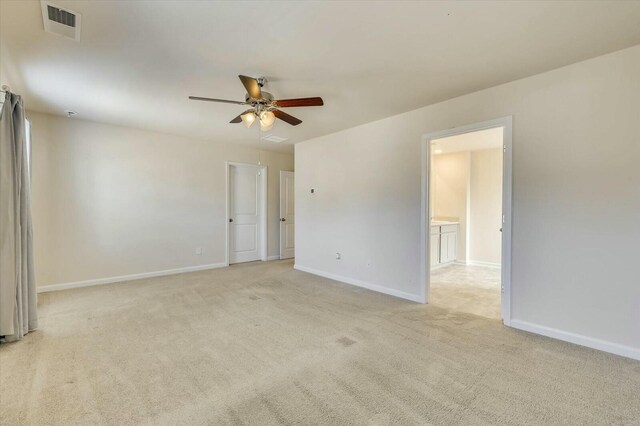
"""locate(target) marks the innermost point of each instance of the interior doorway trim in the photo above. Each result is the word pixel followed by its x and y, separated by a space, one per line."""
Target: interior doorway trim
pixel 262 206
pixel 507 172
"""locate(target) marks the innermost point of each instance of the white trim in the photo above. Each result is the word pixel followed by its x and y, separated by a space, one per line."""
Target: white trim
pixel 131 277
pixel 274 257
pixel 578 339
pixel 442 265
pixel 281 214
pixel 467 222
pixel 425 220
pixel 507 207
pixel 377 288
pixel 425 208
pixel 481 263
pixel 263 208
pixel 467 263
pixel 265 211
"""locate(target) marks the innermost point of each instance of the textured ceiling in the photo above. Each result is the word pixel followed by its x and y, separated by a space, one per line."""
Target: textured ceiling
pixel 138 61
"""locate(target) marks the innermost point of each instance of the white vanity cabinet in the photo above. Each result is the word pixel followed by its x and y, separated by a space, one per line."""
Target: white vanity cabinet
pixel 435 245
pixel 444 243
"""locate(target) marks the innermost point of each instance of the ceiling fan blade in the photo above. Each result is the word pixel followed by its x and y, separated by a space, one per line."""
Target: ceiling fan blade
pixel 286 117
pixel 301 102
pixel 225 101
pixel 238 119
pixel 252 86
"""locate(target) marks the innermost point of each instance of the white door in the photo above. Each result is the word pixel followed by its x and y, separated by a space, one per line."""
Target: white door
pixel 287 215
pixel 245 222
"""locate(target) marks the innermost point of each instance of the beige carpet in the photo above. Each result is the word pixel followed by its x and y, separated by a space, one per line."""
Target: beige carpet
pixel 264 344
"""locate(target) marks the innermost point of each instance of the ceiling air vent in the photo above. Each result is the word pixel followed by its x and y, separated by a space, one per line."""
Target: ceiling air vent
pixel 60 21
pixel 274 138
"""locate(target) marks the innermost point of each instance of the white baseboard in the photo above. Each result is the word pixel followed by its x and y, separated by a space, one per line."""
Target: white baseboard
pixel 110 280
pixel 442 265
pixel 480 263
pixel 270 258
pixel 578 339
pixel 363 284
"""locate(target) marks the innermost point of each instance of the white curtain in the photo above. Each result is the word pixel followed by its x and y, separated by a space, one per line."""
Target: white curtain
pixel 17 282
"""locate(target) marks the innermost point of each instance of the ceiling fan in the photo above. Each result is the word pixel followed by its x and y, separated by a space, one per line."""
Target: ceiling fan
pixel 263 106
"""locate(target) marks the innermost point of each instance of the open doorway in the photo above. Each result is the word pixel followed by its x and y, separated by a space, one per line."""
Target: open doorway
pixel 466 214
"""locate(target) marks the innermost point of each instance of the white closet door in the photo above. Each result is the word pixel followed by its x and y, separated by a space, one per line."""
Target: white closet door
pixel 244 214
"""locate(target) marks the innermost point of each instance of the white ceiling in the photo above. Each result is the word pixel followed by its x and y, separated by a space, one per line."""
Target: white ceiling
pixel 137 61
pixel 472 141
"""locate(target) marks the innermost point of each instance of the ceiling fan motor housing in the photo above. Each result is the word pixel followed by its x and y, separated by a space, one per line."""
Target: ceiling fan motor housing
pixel 266 98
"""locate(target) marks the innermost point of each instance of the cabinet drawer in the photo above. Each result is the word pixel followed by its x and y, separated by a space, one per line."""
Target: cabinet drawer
pixel 435 230
pixel 449 228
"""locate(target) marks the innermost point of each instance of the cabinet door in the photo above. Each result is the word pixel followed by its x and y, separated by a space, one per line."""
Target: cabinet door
pixel 452 246
pixel 448 247
pixel 435 249
pixel 444 248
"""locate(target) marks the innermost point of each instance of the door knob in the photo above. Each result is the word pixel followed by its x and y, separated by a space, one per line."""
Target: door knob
pixel 230 220
pixel 283 219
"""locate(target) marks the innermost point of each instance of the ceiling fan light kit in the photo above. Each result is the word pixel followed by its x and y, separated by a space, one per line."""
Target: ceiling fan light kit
pixel 248 118
pixel 263 106
pixel 267 118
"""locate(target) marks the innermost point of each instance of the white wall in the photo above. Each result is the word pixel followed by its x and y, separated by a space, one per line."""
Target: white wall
pixel 485 199
pixel 449 191
pixel 111 201
pixel 5 79
pixel 576 198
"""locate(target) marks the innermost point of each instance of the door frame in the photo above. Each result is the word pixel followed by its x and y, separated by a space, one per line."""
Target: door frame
pixel 262 206
pixel 425 207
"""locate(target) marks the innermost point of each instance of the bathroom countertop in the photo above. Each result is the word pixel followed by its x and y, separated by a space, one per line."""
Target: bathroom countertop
pixel 443 222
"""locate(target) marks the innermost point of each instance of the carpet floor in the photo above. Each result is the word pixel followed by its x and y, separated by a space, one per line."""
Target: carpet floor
pixel 264 344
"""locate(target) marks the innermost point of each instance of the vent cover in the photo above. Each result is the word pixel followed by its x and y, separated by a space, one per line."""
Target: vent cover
pixel 60 21
pixel 274 138
pixel 61 16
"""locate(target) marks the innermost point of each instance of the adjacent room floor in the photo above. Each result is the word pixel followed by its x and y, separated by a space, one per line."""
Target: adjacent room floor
pixel 471 289
pixel 262 343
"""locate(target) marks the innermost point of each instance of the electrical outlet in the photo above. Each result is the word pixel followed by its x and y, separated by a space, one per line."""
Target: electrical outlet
pixel 338 256
pixel 199 251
